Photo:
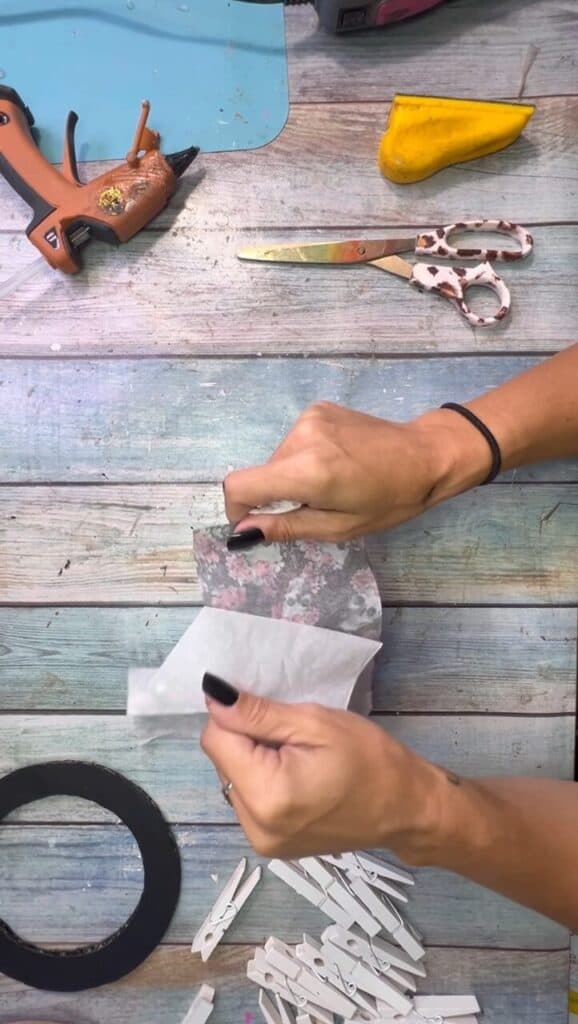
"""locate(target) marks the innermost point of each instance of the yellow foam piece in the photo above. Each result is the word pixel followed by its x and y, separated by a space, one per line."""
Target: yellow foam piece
pixel 426 133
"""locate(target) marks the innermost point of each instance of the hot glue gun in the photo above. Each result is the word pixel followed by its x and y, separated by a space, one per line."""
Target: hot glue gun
pixel 66 212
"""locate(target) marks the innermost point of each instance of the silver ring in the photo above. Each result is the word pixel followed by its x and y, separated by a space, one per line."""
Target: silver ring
pixel 226 790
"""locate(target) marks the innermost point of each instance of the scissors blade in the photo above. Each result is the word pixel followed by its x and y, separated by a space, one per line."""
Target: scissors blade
pixel 360 250
pixel 394 265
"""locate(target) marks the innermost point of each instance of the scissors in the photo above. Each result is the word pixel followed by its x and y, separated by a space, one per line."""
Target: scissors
pixel 450 282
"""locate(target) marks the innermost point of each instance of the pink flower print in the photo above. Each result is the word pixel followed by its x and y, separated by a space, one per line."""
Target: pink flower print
pixel 308 617
pixel 239 569
pixel 265 571
pixel 309 572
pixel 328 561
pixel 363 580
pixel 313 549
pixel 268 587
pixel 231 598
pixel 205 550
pixel 309 583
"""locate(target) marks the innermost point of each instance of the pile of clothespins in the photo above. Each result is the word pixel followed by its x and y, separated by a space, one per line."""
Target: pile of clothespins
pixel 354 972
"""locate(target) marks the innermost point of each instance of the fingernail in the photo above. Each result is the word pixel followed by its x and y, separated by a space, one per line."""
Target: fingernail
pixel 219 690
pixel 244 539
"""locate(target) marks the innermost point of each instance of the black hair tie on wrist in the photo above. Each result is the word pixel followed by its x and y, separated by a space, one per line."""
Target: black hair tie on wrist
pixel 71 970
pixel 485 432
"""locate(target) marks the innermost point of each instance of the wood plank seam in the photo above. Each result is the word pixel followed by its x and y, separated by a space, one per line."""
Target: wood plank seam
pixel 155 229
pixel 232 945
pixel 527 98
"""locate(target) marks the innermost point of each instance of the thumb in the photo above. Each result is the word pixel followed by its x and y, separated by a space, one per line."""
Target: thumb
pixel 262 720
pixel 303 524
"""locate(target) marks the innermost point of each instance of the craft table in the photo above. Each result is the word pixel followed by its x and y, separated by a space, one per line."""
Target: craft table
pixel 126 394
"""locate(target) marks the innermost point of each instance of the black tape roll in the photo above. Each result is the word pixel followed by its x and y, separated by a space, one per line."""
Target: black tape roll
pixel 112 958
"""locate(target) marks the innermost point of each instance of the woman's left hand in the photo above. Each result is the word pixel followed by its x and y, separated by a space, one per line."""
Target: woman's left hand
pixel 310 780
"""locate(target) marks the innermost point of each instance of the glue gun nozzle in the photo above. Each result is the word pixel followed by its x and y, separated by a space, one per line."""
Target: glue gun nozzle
pixel 179 162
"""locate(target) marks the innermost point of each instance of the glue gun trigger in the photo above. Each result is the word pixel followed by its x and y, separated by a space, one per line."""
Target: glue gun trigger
pixel 69 162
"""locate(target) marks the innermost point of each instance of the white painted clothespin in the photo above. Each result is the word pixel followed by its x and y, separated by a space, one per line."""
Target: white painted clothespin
pixel 271 1011
pixel 375 872
pixel 440 1010
pixel 450 1007
pixel 381 956
pixel 311 953
pixel 460 1020
pixel 283 958
pixel 298 880
pixel 260 971
pixel 337 888
pixel 381 907
pixel 202 1006
pixel 417 1018
pixel 225 909
pixel 285 1013
pixel 305 1018
pixel 364 978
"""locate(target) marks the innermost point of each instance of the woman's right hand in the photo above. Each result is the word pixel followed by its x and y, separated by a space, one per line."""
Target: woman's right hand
pixel 355 474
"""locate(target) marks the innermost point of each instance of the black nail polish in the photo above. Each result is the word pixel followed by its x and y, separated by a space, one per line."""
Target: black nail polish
pixel 245 539
pixel 219 690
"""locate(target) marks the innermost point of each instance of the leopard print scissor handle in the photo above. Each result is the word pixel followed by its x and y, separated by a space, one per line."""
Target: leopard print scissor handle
pixel 453 282
pixel 436 242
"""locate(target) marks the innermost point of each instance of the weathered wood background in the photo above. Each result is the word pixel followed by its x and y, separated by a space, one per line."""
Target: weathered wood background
pixel 126 394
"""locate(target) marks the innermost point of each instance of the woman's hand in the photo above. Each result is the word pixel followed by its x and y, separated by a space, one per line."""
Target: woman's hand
pixel 309 780
pixel 355 474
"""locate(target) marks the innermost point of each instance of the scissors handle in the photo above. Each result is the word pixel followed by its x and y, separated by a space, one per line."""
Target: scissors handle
pixel 436 242
pixel 453 283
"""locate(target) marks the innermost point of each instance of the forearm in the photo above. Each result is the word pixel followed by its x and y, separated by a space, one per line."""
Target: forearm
pixel 534 417
pixel 518 837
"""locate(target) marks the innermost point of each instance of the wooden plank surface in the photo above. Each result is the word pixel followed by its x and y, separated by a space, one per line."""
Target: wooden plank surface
pixel 180 778
pixel 435 660
pixel 484 690
pixel 206 302
pixel 91 421
pixel 321 172
pixel 95 875
pixel 513 987
pixel 508 544
pixel 504 660
pixel 464 48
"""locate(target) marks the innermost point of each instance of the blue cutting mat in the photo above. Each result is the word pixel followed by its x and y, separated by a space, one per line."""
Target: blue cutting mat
pixel 215 71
